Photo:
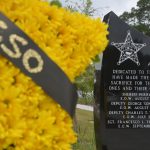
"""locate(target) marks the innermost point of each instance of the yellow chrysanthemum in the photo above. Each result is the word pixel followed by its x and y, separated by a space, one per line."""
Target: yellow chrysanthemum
pixel 29 119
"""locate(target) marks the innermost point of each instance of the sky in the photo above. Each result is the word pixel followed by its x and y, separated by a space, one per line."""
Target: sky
pixel 118 6
pixel 105 6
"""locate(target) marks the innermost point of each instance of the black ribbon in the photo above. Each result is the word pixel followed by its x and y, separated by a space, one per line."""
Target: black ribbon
pixel 17 47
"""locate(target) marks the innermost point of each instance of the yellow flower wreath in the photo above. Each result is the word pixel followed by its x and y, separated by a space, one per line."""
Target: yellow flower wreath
pixel 29 118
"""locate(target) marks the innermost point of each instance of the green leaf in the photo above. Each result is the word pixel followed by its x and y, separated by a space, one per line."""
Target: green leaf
pixel 96 59
pixel 56 2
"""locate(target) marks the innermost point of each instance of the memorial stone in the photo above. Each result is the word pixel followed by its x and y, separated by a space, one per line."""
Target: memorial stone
pixel 123 89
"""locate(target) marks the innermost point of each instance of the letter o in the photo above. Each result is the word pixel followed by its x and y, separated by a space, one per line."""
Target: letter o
pixel 32 54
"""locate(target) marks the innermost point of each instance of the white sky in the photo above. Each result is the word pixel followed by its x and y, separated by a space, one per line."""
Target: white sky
pixel 118 6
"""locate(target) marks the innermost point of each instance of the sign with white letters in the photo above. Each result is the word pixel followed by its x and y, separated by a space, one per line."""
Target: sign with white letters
pixel 124 93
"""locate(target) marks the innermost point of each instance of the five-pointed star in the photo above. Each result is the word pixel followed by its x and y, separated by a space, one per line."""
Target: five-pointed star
pixel 128 49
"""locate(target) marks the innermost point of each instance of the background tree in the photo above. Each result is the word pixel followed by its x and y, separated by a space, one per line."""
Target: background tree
pixel 139 17
pixel 82 6
pixel 85 85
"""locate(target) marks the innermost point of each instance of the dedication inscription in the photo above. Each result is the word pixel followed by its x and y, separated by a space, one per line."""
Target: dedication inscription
pixel 124 89
pixel 131 109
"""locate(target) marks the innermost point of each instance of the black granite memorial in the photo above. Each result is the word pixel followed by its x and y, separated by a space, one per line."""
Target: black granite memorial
pixel 122 90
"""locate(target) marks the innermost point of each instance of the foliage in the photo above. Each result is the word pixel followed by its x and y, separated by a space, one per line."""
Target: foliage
pixel 83 6
pixel 85 84
pixel 56 2
pixel 139 17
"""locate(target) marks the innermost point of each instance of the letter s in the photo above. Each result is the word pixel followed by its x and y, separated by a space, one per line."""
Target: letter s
pixel 16 53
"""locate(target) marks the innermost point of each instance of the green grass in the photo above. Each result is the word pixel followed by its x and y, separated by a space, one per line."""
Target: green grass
pixel 86 101
pixel 85 129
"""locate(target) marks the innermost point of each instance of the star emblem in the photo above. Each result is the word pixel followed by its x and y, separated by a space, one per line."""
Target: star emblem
pixel 128 49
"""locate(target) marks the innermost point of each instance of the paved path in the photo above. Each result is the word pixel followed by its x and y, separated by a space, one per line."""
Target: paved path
pixel 85 107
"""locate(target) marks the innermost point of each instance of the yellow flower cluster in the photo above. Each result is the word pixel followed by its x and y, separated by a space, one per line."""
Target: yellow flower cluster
pixel 29 119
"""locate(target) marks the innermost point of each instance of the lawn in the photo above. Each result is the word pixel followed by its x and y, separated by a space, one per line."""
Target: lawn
pixel 85 130
pixel 86 101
